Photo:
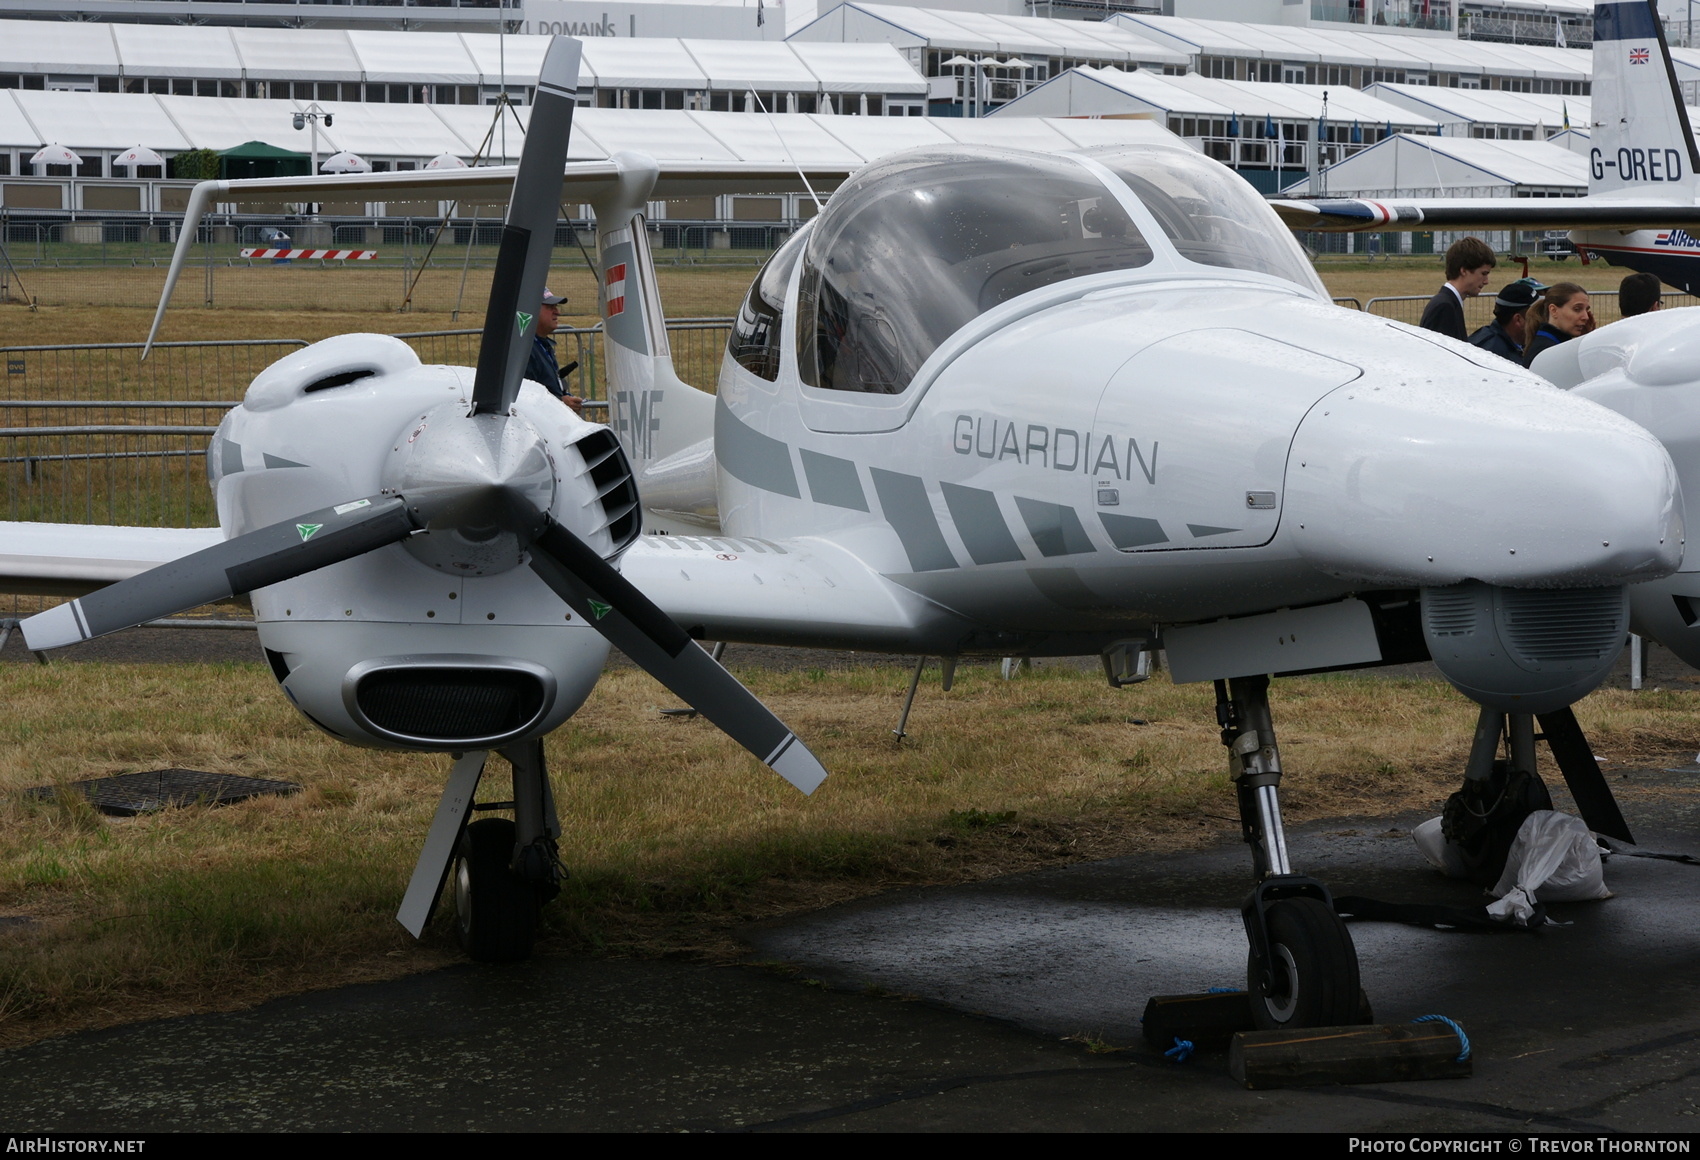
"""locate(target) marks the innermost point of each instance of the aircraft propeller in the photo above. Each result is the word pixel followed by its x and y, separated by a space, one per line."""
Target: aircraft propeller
pixel 479 475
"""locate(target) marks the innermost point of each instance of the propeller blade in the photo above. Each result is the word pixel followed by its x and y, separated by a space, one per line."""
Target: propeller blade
pixel 261 557
pixel 633 624
pixel 528 238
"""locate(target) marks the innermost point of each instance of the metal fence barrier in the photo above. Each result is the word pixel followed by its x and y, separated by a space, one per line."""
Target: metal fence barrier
pixel 90 434
pixel 40 263
pixel 1478 311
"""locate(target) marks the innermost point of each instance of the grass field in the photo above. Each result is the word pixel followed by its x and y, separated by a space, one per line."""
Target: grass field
pixel 673 835
pixel 117 305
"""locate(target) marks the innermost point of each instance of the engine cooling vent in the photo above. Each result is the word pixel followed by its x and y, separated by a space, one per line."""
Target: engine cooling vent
pixel 605 462
pixel 450 705
pixel 1450 611
pixel 1560 626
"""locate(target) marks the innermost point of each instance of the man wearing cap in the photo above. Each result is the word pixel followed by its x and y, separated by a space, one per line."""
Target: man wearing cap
pixel 1506 334
pixel 542 368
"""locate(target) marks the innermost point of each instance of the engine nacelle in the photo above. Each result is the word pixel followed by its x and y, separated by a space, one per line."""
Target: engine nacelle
pixel 1524 650
pixel 435 687
pixel 446 640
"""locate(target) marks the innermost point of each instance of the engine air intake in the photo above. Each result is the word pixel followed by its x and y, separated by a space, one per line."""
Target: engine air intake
pixel 611 474
pixel 445 704
pixel 1547 626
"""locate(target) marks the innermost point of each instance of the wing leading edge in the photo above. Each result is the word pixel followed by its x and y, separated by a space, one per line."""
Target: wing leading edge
pixel 800 592
pixel 1354 215
pixel 75 559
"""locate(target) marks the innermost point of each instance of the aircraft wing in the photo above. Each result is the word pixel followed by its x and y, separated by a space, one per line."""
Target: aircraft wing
pixel 74 559
pixel 797 591
pixel 581 181
pixel 493 184
pixel 1395 215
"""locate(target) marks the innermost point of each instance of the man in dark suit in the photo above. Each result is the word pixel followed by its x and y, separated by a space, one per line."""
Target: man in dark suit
pixel 1469 265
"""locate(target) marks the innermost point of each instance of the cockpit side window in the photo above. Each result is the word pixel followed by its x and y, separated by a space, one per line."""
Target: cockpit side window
pixel 760 324
pixel 912 249
pixel 1211 215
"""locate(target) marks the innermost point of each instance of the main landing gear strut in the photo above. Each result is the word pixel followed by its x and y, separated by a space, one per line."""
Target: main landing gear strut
pixel 1302 970
pixel 501 871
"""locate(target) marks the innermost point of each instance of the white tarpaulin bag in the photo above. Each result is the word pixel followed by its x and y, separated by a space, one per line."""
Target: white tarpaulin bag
pixel 1442 855
pixel 1554 858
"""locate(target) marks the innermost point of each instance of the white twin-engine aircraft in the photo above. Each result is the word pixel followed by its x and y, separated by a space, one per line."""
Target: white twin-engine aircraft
pixel 988 402
pixel 1642 161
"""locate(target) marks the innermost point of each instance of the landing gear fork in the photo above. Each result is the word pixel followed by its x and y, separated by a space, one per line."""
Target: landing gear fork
pixel 1302 969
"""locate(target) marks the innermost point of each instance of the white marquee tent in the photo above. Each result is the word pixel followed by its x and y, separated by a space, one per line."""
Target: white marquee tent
pixel 1453 167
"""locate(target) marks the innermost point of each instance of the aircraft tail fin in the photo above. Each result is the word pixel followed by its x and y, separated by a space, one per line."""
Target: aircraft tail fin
pixel 1641 144
pixel 665 425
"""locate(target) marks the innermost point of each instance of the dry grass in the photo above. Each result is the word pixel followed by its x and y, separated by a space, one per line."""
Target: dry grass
pixel 674 836
pixel 118 304
pixel 356 299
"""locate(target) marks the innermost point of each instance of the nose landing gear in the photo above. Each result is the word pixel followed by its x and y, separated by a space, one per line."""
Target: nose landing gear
pixel 1302 970
pixel 501 872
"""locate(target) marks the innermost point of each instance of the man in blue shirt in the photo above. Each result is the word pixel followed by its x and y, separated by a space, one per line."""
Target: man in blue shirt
pixel 542 368
pixel 1507 334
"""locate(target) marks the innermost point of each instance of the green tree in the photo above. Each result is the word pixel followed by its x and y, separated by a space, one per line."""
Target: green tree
pixel 195 165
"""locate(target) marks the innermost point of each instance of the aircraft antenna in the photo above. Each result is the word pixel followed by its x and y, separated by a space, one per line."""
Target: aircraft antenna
pixel 762 105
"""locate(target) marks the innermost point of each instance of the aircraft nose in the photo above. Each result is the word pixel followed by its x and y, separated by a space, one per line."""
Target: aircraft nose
pixel 1498 479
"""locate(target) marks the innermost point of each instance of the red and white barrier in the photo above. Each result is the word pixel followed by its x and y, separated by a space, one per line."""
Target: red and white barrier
pixel 329 255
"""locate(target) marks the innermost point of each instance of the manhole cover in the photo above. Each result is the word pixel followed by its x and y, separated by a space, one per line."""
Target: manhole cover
pixel 128 794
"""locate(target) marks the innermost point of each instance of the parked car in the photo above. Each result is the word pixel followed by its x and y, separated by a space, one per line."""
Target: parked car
pixel 1556 245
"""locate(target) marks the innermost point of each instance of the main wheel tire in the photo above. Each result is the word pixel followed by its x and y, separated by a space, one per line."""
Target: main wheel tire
pixel 1314 975
pixel 495 909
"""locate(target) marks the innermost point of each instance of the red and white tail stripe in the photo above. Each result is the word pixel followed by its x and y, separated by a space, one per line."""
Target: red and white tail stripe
pixel 616 289
pixel 329 255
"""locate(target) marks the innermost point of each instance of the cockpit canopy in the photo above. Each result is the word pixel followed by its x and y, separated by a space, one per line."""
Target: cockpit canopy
pixel 914 247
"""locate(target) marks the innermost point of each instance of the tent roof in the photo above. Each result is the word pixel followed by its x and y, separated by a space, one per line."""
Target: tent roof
pixel 387 130
pixel 1088 91
pixel 1485 105
pixel 751 64
pixel 983 32
pixel 414 57
pixel 1446 164
pixel 174 50
pixel 41 46
pixel 281 53
pixel 93 121
pixel 172 124
pixel 1361 49
pixel 259 149
pixel 641 64
pixel 858 68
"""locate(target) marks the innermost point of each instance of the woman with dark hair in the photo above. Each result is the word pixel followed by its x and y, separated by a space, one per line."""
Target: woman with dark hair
pixel 1559 315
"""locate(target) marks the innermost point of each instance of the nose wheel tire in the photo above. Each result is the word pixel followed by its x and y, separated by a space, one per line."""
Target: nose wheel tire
pixel 1313 969
pixel 495 909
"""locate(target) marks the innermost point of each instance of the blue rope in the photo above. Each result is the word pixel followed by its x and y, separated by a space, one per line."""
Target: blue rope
pixel 1225 991
pixel 1462 1038
pixel 1181 1051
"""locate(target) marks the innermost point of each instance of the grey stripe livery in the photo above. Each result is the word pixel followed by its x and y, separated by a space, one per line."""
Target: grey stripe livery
pixel 765 462
pixel 903 498
pixel 980 524
pixel 833 481
pixel 1054 527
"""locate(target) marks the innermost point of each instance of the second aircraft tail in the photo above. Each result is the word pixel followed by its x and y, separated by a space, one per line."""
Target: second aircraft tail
pixel 1641 146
